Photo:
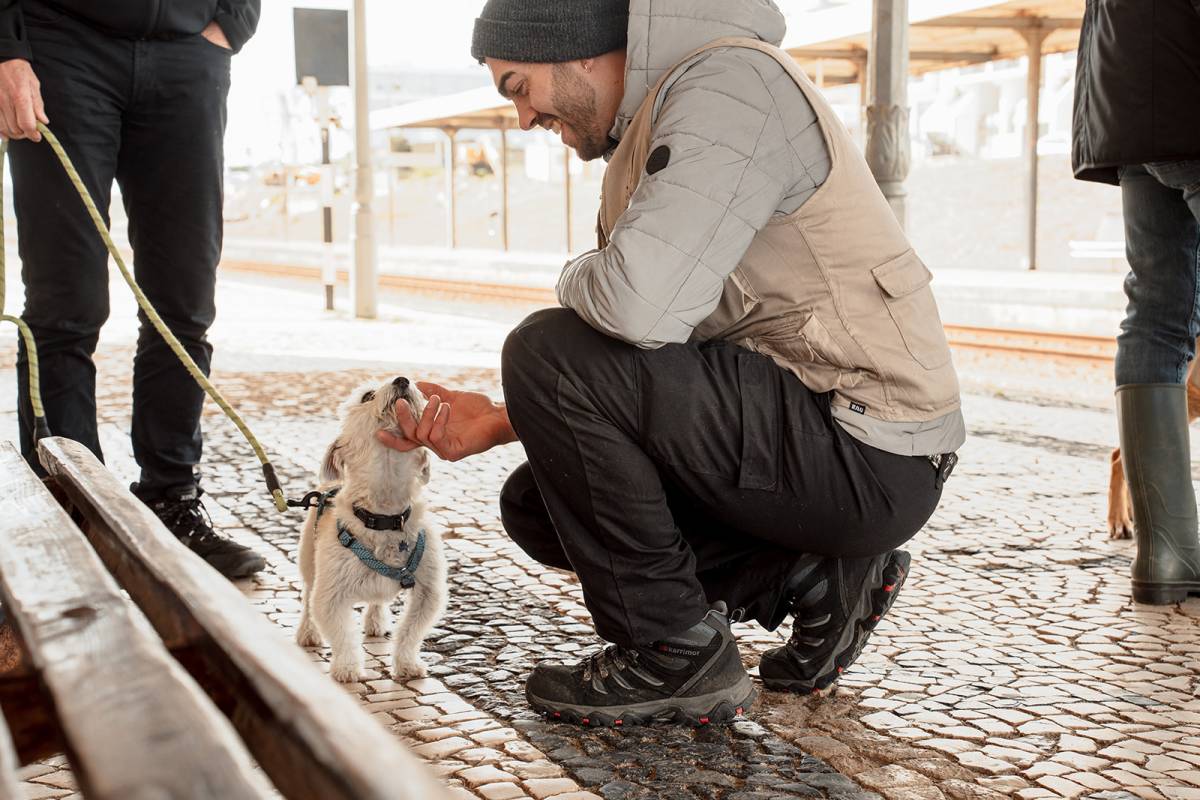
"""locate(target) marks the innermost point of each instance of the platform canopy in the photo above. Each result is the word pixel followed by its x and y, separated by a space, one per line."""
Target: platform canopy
pixel 830 39
pixel 831 43
pixel 475 108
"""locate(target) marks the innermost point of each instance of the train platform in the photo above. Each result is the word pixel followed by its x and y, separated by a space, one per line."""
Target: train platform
pixel 1013 665
pixel 1084 301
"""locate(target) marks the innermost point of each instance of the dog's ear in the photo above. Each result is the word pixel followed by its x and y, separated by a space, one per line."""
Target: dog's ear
pixel 423 473
pixel 331 465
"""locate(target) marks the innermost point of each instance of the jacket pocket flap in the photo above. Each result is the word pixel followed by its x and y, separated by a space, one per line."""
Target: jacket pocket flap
pixel 902 275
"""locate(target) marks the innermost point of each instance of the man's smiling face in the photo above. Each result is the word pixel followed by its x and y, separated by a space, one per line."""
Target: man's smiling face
pixel 578 100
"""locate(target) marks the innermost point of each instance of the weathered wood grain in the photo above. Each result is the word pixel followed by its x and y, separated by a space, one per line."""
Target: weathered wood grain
pixel 304 730
pixel 135 724
pixel 29 715
pixel 9 789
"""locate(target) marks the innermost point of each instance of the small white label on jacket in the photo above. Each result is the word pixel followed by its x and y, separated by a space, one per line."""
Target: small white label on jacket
pixel 858 408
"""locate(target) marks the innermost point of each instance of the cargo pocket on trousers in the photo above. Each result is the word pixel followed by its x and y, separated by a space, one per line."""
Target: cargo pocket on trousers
pixel 905 284
pixel 758 383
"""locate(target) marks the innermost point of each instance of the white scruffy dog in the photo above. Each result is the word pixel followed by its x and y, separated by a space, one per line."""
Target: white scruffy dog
pixel 373 483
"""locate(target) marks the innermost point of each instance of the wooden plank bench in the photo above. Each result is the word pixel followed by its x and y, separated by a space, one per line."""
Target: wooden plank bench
pixel 132 688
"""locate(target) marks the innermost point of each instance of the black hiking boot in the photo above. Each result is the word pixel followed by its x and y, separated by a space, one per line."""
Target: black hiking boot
pixel 695 677
pixel 835 608
pixel 185 516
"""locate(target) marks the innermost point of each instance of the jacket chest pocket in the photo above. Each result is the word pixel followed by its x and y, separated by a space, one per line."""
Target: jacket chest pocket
pixel 904 282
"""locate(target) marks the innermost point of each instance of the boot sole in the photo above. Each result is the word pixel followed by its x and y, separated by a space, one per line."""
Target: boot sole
pixel 713 708
pixel 1163 594
pixel 872 607
pixel 242 569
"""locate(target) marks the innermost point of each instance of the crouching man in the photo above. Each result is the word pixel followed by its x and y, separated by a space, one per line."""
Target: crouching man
pixel 747 402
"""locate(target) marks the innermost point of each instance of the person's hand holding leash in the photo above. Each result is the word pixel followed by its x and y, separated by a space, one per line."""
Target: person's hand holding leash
pixel 477 424
pixel 21 106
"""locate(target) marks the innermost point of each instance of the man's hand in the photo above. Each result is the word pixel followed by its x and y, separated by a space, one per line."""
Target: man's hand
pixel 477 424
pixel 20 101
pixel 214 34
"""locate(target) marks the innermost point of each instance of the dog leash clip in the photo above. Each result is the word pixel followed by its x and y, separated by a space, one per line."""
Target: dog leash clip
pixel 310 500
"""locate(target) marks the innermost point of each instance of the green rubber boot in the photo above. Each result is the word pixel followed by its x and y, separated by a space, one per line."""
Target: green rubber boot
pixel 1152 418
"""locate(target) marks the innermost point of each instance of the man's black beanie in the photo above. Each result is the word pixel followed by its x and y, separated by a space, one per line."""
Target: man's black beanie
pixel 549 31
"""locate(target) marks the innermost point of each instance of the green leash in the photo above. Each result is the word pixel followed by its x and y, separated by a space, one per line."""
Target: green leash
pixel 172 342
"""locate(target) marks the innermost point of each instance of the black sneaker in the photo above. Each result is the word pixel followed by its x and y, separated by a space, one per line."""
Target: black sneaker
pixel 835 609
pixel 185 516
pixel 695 677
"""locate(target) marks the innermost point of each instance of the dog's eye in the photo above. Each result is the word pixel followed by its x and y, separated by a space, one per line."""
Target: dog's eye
pixel 368 397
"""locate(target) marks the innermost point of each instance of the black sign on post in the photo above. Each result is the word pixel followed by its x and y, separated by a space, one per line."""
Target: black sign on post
pixel 322 45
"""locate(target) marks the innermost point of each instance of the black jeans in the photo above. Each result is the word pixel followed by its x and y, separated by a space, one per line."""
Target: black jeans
pixel 668 479
pixel 150 114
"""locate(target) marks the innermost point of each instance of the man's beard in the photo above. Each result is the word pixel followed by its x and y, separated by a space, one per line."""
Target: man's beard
pixel 575 100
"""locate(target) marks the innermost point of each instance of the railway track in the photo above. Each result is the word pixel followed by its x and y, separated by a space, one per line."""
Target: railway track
pixel 1038 344
pixel 1075 347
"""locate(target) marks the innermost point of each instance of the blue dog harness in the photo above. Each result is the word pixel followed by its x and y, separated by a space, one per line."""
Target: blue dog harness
pixel 405 575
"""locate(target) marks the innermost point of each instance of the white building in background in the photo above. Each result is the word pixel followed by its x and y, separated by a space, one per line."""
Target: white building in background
pixel 977 111
pixel 980 111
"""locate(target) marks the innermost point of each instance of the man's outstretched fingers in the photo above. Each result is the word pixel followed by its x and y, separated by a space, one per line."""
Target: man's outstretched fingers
pixel 406 420
pixel 389 439
pixel 428 389
pixel 427 417
pixel 437 432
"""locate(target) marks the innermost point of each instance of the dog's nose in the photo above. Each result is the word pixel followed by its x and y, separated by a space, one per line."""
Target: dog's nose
pixel 401 384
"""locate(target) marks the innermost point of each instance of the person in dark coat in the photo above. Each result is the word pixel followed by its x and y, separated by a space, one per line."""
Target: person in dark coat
pixel 135 90
pixel 1137 125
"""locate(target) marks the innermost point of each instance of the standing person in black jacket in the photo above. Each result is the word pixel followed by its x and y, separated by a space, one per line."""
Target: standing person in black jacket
pixel 1137 124
pixel 136 90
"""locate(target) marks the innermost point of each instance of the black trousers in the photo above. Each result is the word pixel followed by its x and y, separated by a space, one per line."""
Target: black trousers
pixel 150 114
pixel 669 479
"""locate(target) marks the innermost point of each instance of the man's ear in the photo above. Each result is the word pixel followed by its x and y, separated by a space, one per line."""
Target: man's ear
pixel 331 465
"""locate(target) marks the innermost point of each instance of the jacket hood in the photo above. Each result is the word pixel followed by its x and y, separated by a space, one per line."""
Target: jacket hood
pixel 662 32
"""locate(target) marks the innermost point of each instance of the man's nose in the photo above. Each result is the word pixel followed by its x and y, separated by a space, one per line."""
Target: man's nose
pixel 526 116
pixel 401 384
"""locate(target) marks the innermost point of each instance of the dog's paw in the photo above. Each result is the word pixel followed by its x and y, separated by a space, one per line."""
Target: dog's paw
pixel 308 638
pixel 307 634
pixel 346 673
pixel 1120 528
pixel 404 668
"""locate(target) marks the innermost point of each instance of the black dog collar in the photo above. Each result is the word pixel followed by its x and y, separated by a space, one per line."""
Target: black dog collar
pixel 383 522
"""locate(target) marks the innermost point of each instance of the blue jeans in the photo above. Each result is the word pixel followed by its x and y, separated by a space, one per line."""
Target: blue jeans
pixel 1161 204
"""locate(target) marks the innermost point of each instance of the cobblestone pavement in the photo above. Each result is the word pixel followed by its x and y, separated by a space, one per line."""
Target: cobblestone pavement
pixel 1014 664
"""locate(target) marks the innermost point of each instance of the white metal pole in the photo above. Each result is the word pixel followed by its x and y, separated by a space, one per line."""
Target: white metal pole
pixel 364 277
pixel 1033 86
pixel 567 194
pixel 887 146
pixel 504 182
pixel 328 266
pixel 451 187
